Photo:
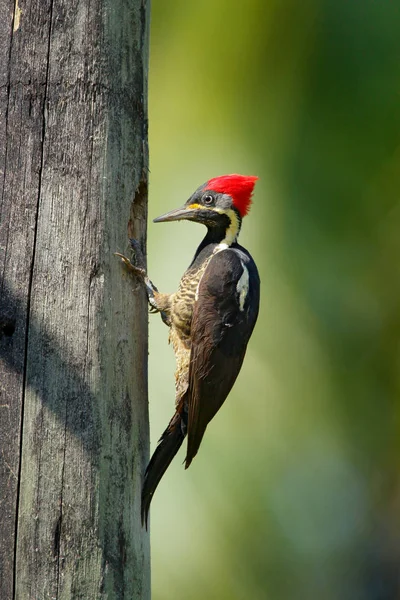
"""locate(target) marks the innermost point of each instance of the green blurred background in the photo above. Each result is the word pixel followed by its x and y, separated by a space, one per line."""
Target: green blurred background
pixel 295 493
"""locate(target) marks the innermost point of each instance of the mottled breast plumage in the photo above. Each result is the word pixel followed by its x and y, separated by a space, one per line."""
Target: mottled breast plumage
pixel 182 302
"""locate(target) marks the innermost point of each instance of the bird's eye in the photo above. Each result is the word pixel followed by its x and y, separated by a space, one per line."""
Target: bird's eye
pixel 208 199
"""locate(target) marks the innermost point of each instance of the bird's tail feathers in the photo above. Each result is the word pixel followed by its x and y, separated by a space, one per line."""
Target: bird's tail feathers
pixel 168 445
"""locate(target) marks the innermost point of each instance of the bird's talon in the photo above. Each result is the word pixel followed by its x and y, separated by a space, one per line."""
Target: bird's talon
pixel 124 259
pixel 133 268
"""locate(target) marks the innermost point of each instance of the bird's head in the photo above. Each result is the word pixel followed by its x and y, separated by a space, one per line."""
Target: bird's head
pixel 220 203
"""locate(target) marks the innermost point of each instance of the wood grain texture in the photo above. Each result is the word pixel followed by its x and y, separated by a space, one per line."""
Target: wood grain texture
pixel 73 325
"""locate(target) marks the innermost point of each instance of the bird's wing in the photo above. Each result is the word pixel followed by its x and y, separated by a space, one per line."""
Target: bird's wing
pixel 223 319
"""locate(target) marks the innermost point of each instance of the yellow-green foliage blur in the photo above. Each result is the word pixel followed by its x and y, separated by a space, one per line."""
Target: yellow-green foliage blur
pixel 295 493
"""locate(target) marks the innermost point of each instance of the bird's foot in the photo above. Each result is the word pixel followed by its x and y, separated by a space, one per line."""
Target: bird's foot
pixel 136 264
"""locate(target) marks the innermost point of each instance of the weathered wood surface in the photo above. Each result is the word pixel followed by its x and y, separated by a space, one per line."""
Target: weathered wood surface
pixel 73 326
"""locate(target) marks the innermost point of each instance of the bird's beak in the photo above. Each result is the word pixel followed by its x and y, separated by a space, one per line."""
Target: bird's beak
pixel 177 215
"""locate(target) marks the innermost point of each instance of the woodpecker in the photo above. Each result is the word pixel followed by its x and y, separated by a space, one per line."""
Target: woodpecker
pixel 210 318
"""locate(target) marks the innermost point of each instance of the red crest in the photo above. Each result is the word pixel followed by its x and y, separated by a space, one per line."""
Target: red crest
pixel 238 187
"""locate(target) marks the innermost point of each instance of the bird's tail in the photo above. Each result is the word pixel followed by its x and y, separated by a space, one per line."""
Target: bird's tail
pixel 168 445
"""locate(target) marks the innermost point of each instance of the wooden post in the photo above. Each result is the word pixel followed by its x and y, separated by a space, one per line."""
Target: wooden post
pixel 73 325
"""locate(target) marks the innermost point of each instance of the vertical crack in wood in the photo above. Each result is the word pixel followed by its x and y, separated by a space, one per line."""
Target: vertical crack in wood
pixel 95 266
pixel 139 212
pixel 56 543
pixel 28 307
pixel 58 529
pixel 6 136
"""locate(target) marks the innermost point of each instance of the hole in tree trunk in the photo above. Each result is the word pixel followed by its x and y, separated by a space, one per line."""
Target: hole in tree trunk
pixel 7 327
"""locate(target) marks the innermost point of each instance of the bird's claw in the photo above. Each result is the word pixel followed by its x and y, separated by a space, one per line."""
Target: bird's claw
pixel 136 265
pixel 132 268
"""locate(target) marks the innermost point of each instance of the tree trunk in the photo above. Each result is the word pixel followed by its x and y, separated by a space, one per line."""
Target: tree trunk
pixel 73 326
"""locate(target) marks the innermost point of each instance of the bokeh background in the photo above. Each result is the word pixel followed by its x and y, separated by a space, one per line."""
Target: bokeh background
pixel 295 493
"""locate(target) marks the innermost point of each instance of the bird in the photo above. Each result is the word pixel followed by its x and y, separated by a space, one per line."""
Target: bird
pixel 210 317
